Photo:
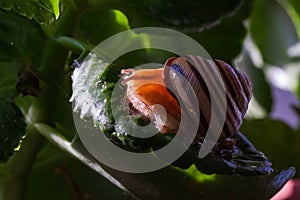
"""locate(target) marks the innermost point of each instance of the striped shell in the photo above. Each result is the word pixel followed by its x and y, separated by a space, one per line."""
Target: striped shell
pixel 237 87
pixel 148 87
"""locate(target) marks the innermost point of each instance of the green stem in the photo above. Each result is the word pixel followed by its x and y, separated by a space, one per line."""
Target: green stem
pixel 75 45
pixel 21 164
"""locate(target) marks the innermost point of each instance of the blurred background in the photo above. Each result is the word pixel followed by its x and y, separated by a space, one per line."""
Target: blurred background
pixel 261 38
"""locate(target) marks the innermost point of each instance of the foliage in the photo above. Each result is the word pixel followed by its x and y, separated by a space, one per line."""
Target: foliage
pixel 12 128
pixel 43 38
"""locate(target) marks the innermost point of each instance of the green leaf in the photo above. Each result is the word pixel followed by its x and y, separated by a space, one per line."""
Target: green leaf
pixel 21 47
pixel 279 142
pixel 12 128
pixel 260 87
pixel 43 11
pixel 96 25
pixel 66 177
pixel 20 39
pixel 5 173
pixel 8 77
pixel 224 40
pixel 273 31
pixel 55 7
pixel 296 5
pixel 293 9
pixel 170 183
pixel 186 16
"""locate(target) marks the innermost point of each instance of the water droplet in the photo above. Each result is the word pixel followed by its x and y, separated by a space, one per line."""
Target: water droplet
pixel 11 43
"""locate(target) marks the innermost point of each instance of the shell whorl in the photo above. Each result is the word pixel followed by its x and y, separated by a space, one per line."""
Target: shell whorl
pixel 238 90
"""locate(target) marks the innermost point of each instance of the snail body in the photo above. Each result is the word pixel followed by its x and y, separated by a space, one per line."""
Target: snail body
pixel 145 90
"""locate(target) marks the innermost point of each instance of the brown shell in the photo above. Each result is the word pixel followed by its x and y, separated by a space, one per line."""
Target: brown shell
pixel 237 85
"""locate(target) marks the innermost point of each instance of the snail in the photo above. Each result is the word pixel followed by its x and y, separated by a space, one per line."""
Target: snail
pixel 148 87
pixel 145 89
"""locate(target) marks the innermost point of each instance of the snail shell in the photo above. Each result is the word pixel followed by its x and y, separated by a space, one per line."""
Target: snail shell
pixel 148 87
pixel 237 87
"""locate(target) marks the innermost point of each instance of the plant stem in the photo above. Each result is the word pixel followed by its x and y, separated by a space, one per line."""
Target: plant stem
pixel 21 164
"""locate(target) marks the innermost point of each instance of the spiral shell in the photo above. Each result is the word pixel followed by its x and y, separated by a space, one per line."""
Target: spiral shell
pixel 237 85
